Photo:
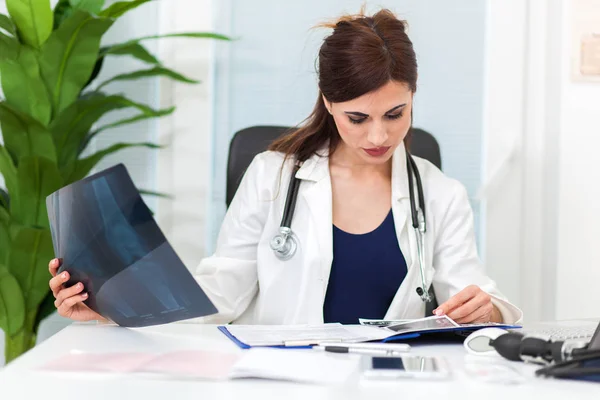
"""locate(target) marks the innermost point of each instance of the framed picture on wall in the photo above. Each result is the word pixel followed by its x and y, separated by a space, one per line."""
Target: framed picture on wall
pixel 585 40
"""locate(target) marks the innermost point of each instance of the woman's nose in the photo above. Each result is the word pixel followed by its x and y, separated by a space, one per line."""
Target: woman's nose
pixel 377 136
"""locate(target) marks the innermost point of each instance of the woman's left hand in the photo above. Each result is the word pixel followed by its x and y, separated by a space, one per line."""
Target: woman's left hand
pixel 470 305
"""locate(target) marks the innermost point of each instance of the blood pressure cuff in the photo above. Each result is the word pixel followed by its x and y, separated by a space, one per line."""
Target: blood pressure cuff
pixel 578 372
pixel 595 377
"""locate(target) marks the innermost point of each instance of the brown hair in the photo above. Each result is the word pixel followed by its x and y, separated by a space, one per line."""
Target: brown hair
pixel 361 55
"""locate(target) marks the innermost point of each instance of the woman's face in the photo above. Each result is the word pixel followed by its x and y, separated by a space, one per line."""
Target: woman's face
pixel 372 126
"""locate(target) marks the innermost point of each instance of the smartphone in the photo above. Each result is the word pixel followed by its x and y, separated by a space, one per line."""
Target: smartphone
pixel 405 367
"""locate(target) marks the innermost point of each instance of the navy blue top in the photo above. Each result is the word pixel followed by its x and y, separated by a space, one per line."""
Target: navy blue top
pixel 366 272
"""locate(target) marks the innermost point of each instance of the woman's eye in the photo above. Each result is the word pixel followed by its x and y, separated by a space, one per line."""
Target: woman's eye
pixel 394 116
pixel 356 120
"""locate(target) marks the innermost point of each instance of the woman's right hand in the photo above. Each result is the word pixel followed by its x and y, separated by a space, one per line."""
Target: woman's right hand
pixel 69 301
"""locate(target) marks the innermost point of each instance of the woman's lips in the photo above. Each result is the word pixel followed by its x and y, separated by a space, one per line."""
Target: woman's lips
pixel 376 151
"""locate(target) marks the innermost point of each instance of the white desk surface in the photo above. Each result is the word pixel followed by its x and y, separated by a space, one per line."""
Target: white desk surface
pixel 22 380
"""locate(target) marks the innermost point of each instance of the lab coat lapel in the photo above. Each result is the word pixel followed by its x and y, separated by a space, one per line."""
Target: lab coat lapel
pixel 317 194
pixel 404 299
pixel 401 203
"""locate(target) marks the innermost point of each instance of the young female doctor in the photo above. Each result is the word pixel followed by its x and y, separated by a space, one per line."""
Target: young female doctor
pixel 371 228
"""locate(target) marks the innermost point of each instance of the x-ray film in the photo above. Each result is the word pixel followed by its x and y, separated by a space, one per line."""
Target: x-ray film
pixel 108 240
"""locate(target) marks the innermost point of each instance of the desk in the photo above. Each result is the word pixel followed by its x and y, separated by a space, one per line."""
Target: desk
pixel 21 380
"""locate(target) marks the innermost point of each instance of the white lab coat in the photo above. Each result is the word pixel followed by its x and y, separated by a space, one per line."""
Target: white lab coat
pixel 249 284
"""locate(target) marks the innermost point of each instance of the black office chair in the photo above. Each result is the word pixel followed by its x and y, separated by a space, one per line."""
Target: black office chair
pixel 249 142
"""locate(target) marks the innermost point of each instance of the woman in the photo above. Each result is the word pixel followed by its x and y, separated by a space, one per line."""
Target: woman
pixel 357 255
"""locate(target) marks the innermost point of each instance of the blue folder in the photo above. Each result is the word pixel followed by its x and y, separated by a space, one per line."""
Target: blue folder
pixel 394 338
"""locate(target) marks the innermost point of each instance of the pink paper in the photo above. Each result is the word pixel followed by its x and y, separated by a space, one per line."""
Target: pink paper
pixel 96 362
pixel 197 363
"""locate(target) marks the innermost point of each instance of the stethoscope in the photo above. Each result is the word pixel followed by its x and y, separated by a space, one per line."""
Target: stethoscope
pixel 285 243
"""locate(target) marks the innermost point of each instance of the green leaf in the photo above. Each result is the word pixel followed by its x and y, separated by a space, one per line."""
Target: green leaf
pixel 147 114
pixel 135 50
pixel 9 48
pixel 120 8
pixel 147 73
pixel 91 6
pixel 4 234
pixel 4 199
pixel 28 262
pixel 85 165
pixel 37 177
pixel 12 305
pixel 72 126
pixel 156 194
pixel 68 57
pixel 23 135
pixel 95 72
pixel 23 85
pixel 45 309
pixel 33 18
pixel 62 11
pixel 7 24
pixel 192 35
pixel 8 170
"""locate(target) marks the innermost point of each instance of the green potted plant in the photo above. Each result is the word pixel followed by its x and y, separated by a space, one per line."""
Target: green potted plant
pixel 48 58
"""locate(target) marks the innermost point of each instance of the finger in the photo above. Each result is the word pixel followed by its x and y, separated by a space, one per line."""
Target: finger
pixel 57 282
pixel 67 293
pixel 482 314
pixel 470 306
pixel 66 306
pixel 53 266
pixel 458 299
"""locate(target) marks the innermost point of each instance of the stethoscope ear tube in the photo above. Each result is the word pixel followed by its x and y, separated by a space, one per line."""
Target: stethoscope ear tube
pixel 418 223
pixel 290 200
pixel 285 244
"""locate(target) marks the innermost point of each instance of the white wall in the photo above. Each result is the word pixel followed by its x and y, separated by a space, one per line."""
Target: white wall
pixel 541 212
pixel 183 168
pixel 578 266
pixel 503 112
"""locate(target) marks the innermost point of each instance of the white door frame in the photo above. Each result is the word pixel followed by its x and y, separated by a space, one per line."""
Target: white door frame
pixel 522 127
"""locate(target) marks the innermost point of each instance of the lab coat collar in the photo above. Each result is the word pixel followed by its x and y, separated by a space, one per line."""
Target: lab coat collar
pixel 317 167
pixel 399 171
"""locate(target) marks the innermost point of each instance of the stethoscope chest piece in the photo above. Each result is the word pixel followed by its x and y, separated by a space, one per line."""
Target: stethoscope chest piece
pixel 285 244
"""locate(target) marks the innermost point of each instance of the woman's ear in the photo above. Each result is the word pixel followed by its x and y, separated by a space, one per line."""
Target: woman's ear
pixel 327 103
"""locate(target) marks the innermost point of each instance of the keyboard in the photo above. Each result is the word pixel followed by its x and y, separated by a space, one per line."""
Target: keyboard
pixel 562 331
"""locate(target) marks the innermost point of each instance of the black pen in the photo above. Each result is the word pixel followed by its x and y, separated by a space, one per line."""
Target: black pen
pixel 345 349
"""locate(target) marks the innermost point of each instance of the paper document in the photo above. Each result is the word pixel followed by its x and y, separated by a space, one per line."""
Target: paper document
pixel 440 323
pixel 297 335
pixel 308 366
pixel 381 322
pixel 423 324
